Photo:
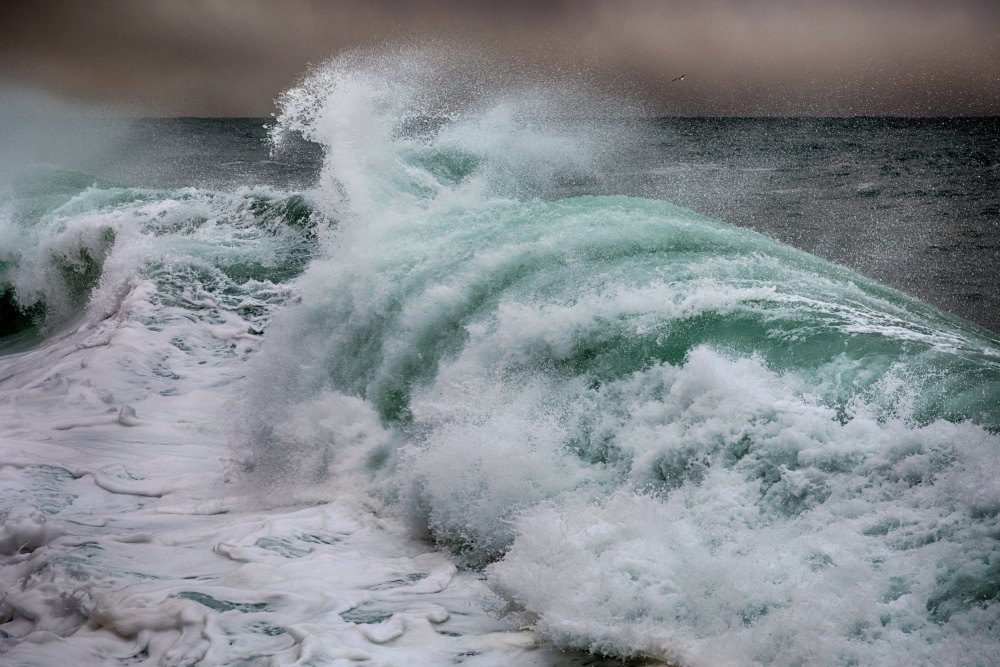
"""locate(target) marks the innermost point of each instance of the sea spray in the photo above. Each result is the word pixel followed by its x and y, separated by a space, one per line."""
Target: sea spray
pixel 659 434
pixel 652 433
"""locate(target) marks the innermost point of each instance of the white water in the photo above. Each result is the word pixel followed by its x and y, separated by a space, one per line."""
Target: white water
pixel 482 425
pixel 123 541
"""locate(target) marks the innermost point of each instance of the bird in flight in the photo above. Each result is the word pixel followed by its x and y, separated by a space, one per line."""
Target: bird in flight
pixel 680 78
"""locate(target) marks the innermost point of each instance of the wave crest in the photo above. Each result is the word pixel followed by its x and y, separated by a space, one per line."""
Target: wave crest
pixel 657 433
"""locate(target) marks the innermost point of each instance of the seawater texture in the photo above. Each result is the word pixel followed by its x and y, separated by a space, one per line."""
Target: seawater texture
pixel 457 401
pixel 658 434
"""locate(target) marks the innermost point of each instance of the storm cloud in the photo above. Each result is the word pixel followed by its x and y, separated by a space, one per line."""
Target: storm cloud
pixel 229 58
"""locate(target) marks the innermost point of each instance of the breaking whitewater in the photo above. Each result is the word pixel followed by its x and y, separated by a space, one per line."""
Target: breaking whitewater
pixel 447 406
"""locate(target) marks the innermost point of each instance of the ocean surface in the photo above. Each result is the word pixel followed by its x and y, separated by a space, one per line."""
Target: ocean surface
pixel 423 372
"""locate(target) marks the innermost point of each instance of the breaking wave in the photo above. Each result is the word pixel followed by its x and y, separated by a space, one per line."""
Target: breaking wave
pixel 655 433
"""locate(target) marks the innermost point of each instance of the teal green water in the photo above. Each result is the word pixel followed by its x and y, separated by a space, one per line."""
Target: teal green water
pixel 69 236
pixel 638 283
pixel 652 432
pixel 525 368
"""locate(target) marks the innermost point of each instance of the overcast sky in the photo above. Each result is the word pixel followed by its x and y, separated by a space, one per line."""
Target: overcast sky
pixel 764 57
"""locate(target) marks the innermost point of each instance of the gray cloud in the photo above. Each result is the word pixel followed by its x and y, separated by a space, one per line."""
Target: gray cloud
pixel 228 57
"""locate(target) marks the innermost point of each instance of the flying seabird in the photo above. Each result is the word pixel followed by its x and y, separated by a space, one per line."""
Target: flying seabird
pixel 680 78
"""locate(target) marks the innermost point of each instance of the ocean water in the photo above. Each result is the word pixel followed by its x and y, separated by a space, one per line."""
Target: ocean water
pixel 429 371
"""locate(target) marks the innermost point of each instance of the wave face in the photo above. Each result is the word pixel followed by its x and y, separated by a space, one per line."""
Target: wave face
pixel 657 434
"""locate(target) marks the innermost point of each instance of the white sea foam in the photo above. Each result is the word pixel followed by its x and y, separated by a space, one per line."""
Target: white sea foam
pixel 121 537
pixel 671 438
pixel 446 415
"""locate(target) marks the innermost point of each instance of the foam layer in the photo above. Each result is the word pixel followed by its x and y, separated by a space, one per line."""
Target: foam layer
pixel 665 436
pixel 122 537
pixel 441 409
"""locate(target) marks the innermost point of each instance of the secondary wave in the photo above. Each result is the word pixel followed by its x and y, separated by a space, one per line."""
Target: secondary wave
pixel 74 247
pixel 657 434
